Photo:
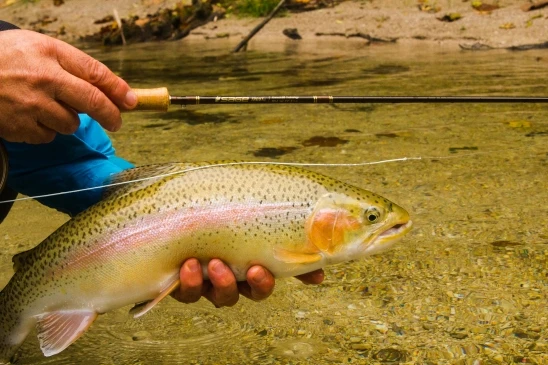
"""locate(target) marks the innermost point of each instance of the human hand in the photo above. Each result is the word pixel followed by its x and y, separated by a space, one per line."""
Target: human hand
pixel 45 82
pixel 222 289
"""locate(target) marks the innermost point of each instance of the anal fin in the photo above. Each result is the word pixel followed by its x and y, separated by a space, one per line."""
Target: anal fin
pixel 144 307
pixel 57 330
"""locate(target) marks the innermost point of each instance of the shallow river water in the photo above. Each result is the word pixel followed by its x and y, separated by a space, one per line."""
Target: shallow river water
pixel 468 285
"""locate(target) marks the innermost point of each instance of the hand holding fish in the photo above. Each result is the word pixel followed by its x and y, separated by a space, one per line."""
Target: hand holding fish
pixel 45 82
pixel 222 289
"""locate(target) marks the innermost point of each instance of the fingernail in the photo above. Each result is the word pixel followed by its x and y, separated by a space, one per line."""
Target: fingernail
pixel 218 268
pixel 193 266
pixel 259 276
pixel 131 99
pixel 116 127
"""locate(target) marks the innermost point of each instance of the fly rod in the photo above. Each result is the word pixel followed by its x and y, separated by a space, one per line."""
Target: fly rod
pixel 159 99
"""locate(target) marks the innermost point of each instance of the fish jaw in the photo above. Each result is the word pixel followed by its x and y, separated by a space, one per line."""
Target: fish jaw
pixel 397 225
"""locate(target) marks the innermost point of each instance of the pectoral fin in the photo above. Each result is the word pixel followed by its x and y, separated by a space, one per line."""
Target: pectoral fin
pixel 291 257
pixel 57 330
pixel 144 307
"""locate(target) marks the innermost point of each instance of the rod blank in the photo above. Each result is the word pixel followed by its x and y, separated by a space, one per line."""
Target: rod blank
pixel 193 100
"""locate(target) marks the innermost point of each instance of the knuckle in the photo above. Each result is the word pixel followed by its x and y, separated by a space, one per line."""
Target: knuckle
pixel 96 71
pixel 95 100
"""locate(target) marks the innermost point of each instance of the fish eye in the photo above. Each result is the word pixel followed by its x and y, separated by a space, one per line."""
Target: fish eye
pixel 372 215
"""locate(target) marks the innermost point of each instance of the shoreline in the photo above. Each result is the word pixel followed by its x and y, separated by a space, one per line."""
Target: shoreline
pixel 395 21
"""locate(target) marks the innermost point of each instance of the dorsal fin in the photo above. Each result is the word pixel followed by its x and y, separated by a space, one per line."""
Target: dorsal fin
pixel 146 172
pixel 20 258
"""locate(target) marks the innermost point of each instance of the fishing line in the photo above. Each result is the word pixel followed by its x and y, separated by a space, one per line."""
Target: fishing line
pixel 301 164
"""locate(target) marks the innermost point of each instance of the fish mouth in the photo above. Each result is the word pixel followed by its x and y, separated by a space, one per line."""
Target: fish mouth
pixel 388 237
pixel 396 231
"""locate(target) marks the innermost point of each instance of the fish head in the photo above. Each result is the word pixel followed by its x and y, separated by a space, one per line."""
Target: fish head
pixel 349 226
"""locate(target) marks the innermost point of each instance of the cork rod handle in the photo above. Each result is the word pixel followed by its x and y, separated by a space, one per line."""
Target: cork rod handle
pixel 152 99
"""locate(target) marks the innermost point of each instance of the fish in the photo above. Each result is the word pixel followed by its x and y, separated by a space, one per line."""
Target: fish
pixel 128 248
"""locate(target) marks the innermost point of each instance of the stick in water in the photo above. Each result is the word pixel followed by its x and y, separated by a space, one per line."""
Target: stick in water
pixel 243 43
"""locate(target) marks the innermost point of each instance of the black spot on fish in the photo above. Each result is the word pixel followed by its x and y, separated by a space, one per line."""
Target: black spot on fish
pixel 273 152
pixel 324 141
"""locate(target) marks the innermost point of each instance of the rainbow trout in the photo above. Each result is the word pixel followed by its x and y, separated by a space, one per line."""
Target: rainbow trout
pixel 129 247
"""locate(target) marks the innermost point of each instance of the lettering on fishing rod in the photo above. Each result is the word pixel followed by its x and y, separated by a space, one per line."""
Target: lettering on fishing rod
pixel 232 99
pixel 284 99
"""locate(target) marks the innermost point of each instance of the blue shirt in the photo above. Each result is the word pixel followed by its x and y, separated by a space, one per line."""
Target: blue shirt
pixel 84 159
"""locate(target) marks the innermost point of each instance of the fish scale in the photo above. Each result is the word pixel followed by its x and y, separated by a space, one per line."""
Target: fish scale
pixel 129 247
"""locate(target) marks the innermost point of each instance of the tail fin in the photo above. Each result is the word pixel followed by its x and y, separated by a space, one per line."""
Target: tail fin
pixel 13 328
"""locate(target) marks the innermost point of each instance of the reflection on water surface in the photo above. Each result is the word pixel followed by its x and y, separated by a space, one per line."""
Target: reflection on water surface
pixel 467 286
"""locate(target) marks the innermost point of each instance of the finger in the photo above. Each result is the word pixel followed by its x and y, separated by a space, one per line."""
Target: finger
pixel 89 69
pixel 314 277
pixel 191 279
pixel 224 291
pixel 39 134
pixel 84 97
pixel 59 118
pixel 259 285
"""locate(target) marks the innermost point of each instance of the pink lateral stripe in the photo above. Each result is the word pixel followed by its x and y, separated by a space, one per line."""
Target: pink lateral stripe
pixel 163 226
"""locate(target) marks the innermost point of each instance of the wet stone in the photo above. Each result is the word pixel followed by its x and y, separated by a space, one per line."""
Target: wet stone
pixel 141 335
pixel 526 334
pixel 523 360
pixel 505 244
pixel 386 135
pixel 459 334
pixel 390 355
pixel 361 346
pixel 465 148
pixel 539 347
pixel 273 152
pixel 324 141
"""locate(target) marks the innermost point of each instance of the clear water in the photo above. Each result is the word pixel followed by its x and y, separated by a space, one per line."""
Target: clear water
pixel 469 285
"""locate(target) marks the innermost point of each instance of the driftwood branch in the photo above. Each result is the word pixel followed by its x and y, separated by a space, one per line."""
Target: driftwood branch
pixel 243 43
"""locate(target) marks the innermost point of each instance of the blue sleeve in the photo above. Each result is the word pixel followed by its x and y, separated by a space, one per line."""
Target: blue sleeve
pixel 82 160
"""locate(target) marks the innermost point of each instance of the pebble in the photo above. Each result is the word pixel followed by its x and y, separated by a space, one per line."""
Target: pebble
pixel 390 355
pixel 361 346
pixel 141 335
pixel 539 346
